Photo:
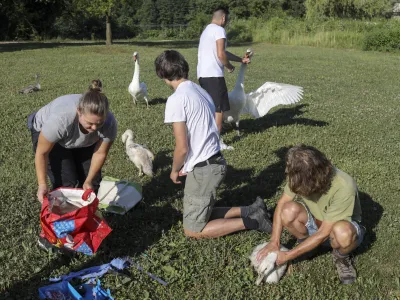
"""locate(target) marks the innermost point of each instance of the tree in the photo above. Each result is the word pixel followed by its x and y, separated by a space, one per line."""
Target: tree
pixel 100 8
pixel 294 8
pixel 148 12
pixel 165 12
pixel 346 8
pixel 181 11
pixel 28 19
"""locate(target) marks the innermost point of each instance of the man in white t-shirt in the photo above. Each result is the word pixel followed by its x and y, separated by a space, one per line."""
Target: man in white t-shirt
pixel 212 58
pixel 197 155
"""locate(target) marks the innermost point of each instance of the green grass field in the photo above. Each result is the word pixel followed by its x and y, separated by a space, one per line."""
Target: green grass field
pixel 349 111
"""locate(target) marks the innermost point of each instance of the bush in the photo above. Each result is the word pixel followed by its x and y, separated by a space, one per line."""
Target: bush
pixel 239 31
pixel 79 27
pixel 196 26
pixel 383 38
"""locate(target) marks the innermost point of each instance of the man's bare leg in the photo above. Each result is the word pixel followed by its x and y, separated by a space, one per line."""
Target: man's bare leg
pixel 217 228
pixel 225 213
pixel 226 220
pixel 218 120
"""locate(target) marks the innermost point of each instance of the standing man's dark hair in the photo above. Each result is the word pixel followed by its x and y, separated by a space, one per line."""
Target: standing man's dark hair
pixel 220 10
pixel 212 58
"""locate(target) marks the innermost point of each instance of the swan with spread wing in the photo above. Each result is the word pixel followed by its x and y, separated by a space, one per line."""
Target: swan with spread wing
pixel 260 101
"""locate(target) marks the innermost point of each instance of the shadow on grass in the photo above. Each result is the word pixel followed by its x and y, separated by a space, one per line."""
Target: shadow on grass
pixel 371 214
pixel 156 101
pixel 19 46
pixel 280 117
pixel 22 46
pixel 264 185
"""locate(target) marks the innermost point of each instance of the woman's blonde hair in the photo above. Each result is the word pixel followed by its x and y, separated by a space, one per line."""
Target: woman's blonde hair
pixel 94 101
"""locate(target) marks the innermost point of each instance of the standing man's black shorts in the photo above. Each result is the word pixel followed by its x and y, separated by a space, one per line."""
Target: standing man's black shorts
pixel 216 87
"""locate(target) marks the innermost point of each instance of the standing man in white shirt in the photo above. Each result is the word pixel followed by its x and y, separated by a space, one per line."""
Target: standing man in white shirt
pixel 212 58
pixel 191 111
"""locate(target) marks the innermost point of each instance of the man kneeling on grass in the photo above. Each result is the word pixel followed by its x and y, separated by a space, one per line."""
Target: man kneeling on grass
pixel 191 111
pixel 329 214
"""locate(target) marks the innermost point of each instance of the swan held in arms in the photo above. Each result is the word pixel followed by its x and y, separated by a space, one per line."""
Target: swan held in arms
pixel 266 268
pixel 138 89
pixel 260 101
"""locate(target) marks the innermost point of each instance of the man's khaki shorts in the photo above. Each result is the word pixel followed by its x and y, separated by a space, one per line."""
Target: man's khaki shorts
pixel 200 194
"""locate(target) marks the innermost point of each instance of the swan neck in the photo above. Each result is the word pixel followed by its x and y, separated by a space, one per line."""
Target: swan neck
pixel 136 72
pixel 240 78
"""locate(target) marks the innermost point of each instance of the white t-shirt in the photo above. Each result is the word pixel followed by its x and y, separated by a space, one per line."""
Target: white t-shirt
pixel 193 105
pixel 209 64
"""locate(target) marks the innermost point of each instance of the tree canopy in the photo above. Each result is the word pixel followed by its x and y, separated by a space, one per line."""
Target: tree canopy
pixel 85 19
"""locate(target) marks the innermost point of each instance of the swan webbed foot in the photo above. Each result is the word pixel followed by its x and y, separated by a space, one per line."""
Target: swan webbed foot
pixel 225 146
pixel 238 133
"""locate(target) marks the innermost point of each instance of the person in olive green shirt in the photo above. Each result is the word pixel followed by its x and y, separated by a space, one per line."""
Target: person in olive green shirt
pixel 328 212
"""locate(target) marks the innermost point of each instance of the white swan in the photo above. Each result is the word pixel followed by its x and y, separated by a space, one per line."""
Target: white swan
pixel 260 101
pixel 138 154
pixel 32 88
pixel 136 89
pixel 267 269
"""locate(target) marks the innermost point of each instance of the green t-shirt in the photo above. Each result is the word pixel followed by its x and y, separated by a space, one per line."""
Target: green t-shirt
pixel 341 202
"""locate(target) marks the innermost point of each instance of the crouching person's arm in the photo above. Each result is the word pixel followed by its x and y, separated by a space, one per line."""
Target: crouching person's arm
pixel 99 157
pixel 277 227
pixel 41 160
pixel 309 243
pixel 181 150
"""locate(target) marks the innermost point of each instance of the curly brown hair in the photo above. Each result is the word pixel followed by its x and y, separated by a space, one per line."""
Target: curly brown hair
pixel 308 171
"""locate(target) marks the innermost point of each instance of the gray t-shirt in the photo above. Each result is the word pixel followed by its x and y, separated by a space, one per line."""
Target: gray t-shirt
pixel 58 122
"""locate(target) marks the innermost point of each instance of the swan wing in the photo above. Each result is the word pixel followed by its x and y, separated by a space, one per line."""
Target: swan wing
pixel 269 95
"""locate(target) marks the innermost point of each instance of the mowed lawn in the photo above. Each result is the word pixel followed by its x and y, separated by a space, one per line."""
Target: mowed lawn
pixel 350 111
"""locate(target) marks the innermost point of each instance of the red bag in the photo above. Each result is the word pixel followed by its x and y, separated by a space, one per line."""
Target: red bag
pixel 81 228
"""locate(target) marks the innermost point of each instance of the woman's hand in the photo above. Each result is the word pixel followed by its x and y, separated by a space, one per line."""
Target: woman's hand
pixel 87 186
pixel 42 191
pixel 271 247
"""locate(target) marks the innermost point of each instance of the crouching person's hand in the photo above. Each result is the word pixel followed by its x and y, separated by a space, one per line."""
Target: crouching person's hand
pixel 87 186
pixel 282 258
pixel 270 247
pixel 42 191
pixel 175 177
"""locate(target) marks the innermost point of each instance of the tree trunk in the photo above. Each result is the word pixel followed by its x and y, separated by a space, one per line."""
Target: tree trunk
pixel 108 30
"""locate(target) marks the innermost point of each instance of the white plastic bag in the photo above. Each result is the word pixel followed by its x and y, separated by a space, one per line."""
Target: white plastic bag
pixel 118 196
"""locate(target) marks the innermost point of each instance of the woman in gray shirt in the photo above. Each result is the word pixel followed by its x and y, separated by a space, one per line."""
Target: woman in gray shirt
pixel 71 137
